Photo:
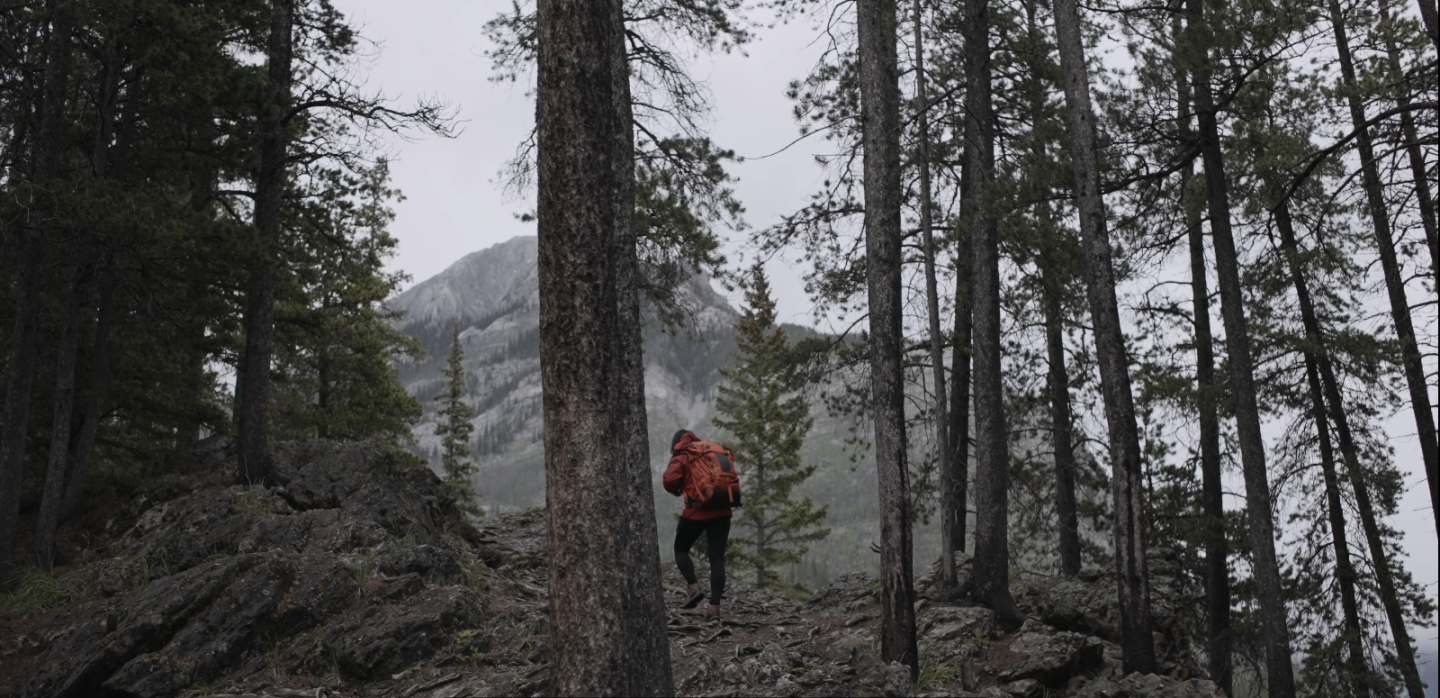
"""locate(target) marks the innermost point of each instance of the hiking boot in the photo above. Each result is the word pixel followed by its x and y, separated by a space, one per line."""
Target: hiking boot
pixel 695 596
pixel 712 613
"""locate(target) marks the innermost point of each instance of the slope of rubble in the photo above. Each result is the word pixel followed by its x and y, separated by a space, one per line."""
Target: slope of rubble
pixel 358 577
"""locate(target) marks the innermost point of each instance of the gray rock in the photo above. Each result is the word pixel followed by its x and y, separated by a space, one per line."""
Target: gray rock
pixel 190 627
pixel 1044 654
pixel 1148 686
pixel 333 571
pixel 946 632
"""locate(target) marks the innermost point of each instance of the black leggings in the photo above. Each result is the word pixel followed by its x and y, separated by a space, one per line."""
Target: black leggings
pixel 717 533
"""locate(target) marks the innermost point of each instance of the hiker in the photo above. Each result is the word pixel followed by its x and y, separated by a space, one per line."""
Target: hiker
pixel 705 474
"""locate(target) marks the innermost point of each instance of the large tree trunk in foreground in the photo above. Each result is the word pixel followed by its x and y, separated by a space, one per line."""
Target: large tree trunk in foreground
pixel 1394 280
pixel 23 339
pixel 64 409
pixel 991 581
pixel 253 391
pixel 1359 478
pixel 1132 576
pixel 608 634
pixel 932 305
pixel 880 106
pixel 1275 633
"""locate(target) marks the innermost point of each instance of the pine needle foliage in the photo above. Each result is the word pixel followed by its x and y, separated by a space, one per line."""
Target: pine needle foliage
pixel 454 429
pixel 768 421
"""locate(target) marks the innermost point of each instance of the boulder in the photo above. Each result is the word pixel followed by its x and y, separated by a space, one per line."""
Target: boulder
pixel 1043 654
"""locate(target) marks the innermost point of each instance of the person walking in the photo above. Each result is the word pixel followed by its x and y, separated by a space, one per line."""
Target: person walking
pixel 704 473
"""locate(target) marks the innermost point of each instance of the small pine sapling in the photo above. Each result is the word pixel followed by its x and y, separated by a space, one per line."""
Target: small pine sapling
pixel 768 421
pixel 454 429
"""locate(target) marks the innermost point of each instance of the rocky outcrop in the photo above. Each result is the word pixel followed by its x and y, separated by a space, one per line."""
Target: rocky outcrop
pixel 355 566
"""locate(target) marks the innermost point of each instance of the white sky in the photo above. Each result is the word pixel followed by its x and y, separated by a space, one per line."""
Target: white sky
pixel 455 206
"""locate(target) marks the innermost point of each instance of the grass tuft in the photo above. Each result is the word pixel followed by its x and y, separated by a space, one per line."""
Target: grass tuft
pixel 34 590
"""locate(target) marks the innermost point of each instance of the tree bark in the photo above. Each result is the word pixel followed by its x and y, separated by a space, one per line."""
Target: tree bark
pixel 606 608
pixel 1359 478
pixel 1412 147
pixel 253 391
pixel 880 106
pixel 1219 636
pixel 32 249
pixel 953 490
pixel 1132 575
pixel 1344 569
pixel 1394 281
pixel 1060 434
pixel 948 576
pixel 95 401
pixel 991 581
pixel 54 489
pixel 1431 21
pixel 1275 632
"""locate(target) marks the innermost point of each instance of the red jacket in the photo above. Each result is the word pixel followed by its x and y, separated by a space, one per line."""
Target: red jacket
pixel 674 482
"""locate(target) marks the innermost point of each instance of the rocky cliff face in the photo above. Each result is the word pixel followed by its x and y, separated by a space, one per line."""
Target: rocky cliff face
pixel 358 577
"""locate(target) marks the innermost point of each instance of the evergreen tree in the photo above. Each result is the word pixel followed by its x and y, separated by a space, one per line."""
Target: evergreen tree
pixel 454 429
pixel 768 421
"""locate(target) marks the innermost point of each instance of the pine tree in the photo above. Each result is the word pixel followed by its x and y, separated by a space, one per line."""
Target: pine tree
pixel 454 429
pixel 768 422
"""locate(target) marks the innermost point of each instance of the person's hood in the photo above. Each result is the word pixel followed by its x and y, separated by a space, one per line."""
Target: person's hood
pixel 685 440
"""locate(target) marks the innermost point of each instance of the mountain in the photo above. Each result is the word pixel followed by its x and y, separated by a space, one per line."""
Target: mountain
pixel 494 297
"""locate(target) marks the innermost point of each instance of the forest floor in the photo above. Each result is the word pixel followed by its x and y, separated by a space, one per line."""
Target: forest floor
pixel 358 578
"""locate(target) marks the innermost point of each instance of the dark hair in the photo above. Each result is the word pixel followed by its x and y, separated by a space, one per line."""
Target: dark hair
pixel 675 440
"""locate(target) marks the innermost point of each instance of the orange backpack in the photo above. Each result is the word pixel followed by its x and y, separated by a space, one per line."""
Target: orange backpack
pixel 711 481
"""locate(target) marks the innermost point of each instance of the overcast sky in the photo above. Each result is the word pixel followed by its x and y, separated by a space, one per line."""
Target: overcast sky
pixel 454 204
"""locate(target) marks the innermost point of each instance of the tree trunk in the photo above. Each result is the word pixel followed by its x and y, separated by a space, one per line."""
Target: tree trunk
pixel 1412 146
pixel 991 581
pixel 32 249
pixel 949 579
pixel 1394 281
pixel 1060 436
pixel 1417 171
pixel 1431 21
pixel 1344 570
pixel 1061 440
pixel 606 607
pixel 95 402
pixel 880 105
pixel 1132 575
pixel 1276 633
pixel 1219 636
pixel 1359 479
pixel 953 485
pixel 54 489
pixel 253 391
